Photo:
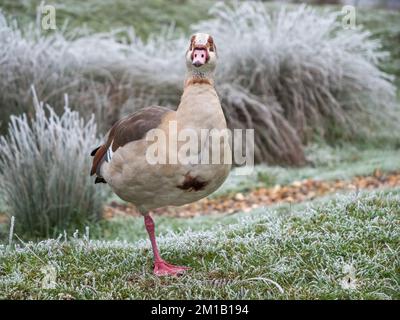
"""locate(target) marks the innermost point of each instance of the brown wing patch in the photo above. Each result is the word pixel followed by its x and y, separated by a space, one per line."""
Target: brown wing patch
pixel 192 183
pixel 130 128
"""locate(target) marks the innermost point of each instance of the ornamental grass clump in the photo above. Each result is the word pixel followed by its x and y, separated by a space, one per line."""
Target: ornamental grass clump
pixel 44 175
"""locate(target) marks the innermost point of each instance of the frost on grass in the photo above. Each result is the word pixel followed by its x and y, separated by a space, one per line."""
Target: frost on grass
pixel 44 175
pixel 289 74
pixel 345 247
pixel 303 65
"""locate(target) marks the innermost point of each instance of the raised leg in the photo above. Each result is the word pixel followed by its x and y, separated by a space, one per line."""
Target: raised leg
pixel 161 268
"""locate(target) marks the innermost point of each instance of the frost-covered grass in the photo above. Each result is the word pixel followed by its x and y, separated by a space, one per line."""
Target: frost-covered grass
pixel 304 60
pixel 149 16
pixel 340 248
pixel 385 26
pixel 44 171
pixel 290 74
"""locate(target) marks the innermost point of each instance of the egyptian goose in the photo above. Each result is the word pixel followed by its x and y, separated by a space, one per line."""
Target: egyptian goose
pixel 122 161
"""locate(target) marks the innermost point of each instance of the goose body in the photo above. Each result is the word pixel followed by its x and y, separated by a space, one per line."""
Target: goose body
pixel 150 186
pixel 123 161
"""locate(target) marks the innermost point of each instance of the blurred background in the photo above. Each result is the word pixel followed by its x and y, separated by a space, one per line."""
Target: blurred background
pixel 381 4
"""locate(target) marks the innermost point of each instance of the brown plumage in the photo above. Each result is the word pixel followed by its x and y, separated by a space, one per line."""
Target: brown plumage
pixel 192 183
pixel 130 128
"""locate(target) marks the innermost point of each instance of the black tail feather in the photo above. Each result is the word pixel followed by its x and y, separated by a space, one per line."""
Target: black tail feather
pixel 100 180
pixel 94 151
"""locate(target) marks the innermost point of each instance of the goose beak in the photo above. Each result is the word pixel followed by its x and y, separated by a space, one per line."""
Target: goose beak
pixel 199 57
pixel 197 64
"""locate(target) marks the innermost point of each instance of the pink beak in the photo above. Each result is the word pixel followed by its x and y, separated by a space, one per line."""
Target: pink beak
pixel 199 57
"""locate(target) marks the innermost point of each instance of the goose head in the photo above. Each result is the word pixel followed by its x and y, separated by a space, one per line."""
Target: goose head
pixel 201 56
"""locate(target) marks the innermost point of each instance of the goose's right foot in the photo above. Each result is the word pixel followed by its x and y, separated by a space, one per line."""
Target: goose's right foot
pixel 163 268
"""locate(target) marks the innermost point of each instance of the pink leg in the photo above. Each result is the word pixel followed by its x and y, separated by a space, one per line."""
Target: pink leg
pixel 161 268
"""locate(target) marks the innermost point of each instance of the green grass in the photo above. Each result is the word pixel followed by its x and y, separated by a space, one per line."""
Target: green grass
pixel 286 251
pixel 146 16
pixel 303 252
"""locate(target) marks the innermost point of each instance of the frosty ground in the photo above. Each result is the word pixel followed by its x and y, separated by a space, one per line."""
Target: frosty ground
pixel 344 246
